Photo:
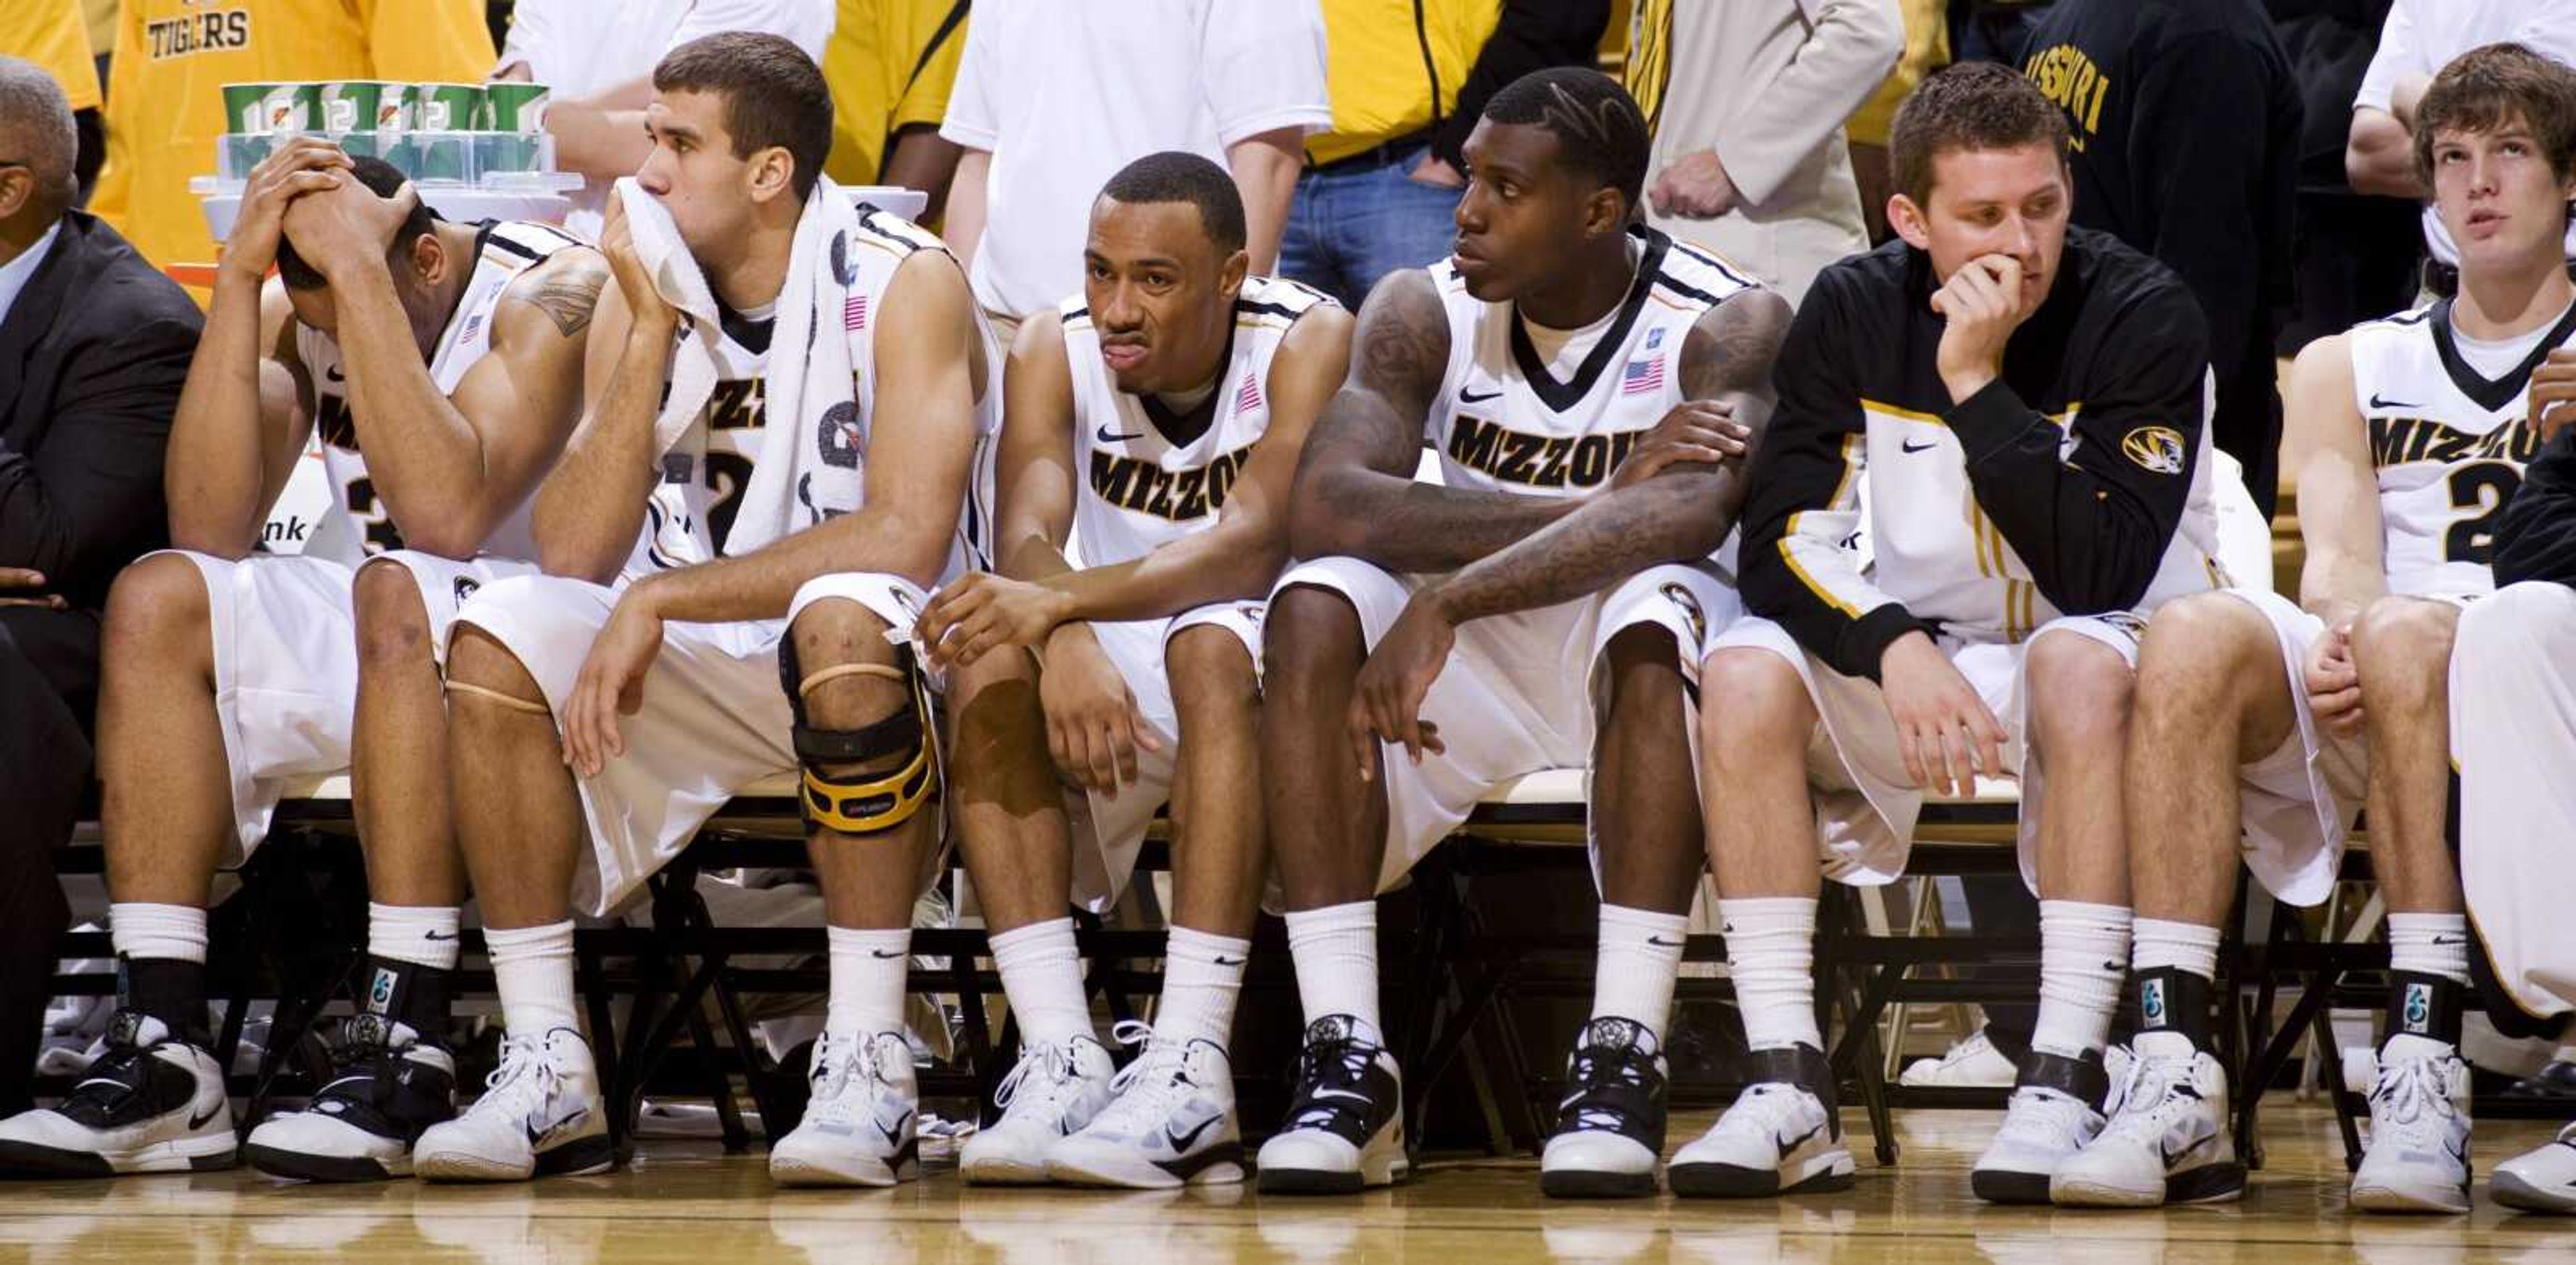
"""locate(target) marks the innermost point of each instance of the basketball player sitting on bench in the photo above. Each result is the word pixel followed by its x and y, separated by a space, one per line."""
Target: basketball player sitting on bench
pixel 595 728
pixel 2026 400
pixel 441 364
pixel 2417 429
pixel 1155 419
pixel 1588 385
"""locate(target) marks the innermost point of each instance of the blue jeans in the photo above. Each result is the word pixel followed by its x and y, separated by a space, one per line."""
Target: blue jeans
pixel 1353 224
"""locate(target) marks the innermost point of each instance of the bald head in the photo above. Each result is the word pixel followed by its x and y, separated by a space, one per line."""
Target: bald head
pixel 38 145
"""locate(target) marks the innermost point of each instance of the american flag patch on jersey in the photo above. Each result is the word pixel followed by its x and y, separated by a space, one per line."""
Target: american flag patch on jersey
pixel 854 312
pixel 1642 376
pixel 1249 398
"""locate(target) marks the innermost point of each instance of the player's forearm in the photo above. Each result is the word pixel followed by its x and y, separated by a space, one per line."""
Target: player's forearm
pixel 1216 565
pixel 1265 172
pixel 762 584
pixel 1675 517
pixel 1030 555
pixel 425 459
pixel 2379 156
pixel 2336 587
pixel 215 470
pixel 589 510
pixel 1405 526
pixel 963 230
pixel 598 139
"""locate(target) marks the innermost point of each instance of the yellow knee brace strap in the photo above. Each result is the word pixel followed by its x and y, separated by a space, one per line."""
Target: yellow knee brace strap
pixel 865 804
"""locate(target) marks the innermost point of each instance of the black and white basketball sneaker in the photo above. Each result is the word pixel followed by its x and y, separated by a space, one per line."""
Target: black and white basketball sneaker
pixel 1170 1124
pixel 386 1087
pixel 153 1103
pixel 1610 1125
pixel 2167 1140
pixel 540 1116
pixel 1781 1135
pixel 1345 1127
pixel 862 1125
pixel 2054 1111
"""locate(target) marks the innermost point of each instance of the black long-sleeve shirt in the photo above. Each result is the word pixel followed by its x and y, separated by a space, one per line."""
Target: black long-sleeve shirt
pixel 1532 35
pixel 2186 126
pixel 2071 485
pixel 2535 539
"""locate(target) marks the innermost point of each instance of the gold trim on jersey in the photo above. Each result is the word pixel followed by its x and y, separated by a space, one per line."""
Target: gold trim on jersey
pixel 1885 409
pixel 1854 445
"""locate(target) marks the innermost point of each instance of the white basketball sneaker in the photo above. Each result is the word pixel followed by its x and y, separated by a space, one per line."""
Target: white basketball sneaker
pixel 861 1125
pixel 1781 1135
pixel 2050 1116
pixel 1974 1063
pixel 539 1116
pixel 2418 1159
pixel 2167 1138
pixel 1052 1093
pixel 154 1102
pixel 1171 1124
pixel 2542 1180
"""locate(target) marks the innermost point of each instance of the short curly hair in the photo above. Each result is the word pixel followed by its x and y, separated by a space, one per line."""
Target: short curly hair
pixel 2486 89
pixel 1969 106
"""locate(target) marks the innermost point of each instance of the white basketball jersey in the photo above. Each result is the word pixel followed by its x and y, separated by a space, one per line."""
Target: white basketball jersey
pixel 704 474
pixel 1149 475
pixel 357 526
pixel 2449 446
pixel 1504 423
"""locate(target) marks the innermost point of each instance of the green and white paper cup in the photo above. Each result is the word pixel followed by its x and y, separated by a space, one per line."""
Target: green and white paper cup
pixel 366 106
pixel 447 107
pixel 260 109
pixel 516 107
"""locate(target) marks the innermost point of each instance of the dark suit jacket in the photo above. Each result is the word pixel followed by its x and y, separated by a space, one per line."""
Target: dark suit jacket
pixel 92 356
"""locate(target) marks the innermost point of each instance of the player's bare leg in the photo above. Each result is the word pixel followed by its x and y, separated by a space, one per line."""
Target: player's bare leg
pixel 2419 1136
pixel 1650 848
pixel 1782 1133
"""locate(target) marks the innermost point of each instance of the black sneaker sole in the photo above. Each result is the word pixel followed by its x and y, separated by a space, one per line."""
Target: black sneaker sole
pixel 1725 1181
pixel 1998 1187
pixel 44 1163
pixel 298 1166
pixel 1307 1181
pixel 1588 1184
pixel 593 1154
pixel 2210 1183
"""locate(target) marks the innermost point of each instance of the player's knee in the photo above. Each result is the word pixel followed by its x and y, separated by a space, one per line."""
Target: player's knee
pixel 830 635
pixel 1754 710
pixel 1310 634
pixel 1209 667
pixel 2403 643
pixel 2079 689
pixel 158 609
pixel 2198 649
pixel 862 721
pixel 477 660
pixel 393 625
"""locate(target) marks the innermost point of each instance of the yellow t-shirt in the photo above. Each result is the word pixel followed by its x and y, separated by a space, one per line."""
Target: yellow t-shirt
pixel 890 64
pixel 52 34
pixel 1377 78
pixel 173 58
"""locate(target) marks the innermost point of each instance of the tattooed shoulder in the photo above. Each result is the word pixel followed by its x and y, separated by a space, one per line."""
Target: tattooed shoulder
pixel 566 289
pixel 1733 345
pixel 1402 340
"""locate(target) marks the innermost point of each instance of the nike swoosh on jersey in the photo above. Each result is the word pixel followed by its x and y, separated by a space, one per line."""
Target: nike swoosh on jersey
pixel 1105 437
pixel 1466 396
pixel 1911 446
pixel 2379 401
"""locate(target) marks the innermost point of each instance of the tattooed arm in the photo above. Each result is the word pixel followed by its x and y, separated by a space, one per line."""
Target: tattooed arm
pixel 1682 512
pixel 449 469
pixel 1355 494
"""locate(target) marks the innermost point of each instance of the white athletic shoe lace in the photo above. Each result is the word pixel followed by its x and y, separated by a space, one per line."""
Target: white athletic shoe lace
pixel 2412 1100
pixel 1039 1086
pixel 1147 1091
pixel 2143 1101
pixel 846 1078
pixel 528 1077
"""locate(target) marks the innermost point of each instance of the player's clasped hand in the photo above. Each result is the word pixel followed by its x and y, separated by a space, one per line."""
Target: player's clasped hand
pixel 1695 431
pixel 2551 397
pixel 1386 700
pixel 611 683
pixel 348 226
pixel 2333 682
pixel 1093 729
pixel 1946 733
pixel 634 281
pixel 981 612
pixel 304 164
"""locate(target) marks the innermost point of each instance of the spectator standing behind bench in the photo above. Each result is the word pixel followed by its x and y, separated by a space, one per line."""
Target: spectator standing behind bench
pixel 891 65
pixel 54 34
pixel 174 56
pixel 1747 100
pixel 86 392
pixel 1407 82
pixel 1055 97
pixel 598 57
pixel 2184 125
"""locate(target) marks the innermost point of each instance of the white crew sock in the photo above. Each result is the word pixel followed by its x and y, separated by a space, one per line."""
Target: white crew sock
pixel 2083 959
pixel 2183 946
pixel 1639 955
pixel 423 935
pixel 532 968
pixel 1771 952
pixel 169 932
pixel 2430 944
pixel 1042 977
pixel 1335 949
pixel 868 975
pixel 1202 976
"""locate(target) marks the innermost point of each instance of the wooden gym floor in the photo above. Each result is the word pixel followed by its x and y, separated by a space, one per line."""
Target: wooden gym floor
pixel 684 1201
